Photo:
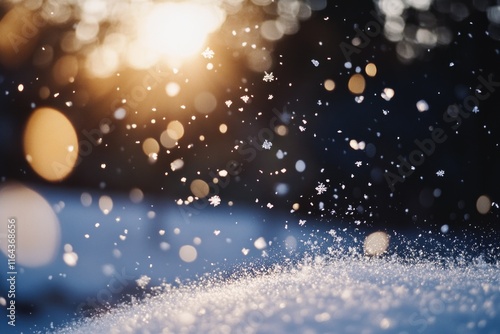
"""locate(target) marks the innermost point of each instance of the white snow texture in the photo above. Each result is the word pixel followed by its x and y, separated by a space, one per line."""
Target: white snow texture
pixel 346 294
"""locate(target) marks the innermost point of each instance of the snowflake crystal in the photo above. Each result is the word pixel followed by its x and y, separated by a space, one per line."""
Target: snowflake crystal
pixel 440 173
pixel 321 188
pixel 214 200
pixel 268 77
pixel 267 145
pixel 208 54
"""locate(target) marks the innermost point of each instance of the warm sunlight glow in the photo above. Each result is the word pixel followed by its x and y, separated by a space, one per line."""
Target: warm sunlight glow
pixel 176 31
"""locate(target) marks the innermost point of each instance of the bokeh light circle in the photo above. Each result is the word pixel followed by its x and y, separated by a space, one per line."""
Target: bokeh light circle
pixel 188 253
pixel 357 84
pixel 205 102
pixel 199 188
pixel 483 204
pixel 50 144
pixel 37 230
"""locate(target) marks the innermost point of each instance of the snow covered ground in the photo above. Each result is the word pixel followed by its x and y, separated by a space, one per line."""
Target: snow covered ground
pixel 323 294
pixel 261 277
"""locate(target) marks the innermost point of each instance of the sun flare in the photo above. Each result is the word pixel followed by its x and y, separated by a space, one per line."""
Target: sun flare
pixel 176 31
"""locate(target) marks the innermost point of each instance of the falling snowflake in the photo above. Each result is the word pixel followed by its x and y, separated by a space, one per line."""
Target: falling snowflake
pixel 440 173
pixel 358 163
pixel 387 94
pixel 315 62
pixel 268 77
pixel 321 188
pixel 301 128
pixel 319 102
pixel 270 97
pixel 270 206
pixel 228 103
pixel 214 200
pixel 475 110
pixel 143 281
pixel 267 145
pixel 245 98
pixel 216 232
pixel 302 222
pixel 208 54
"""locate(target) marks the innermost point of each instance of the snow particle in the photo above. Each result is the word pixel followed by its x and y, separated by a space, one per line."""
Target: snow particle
pixel 268 77
pixel 376 243
pixel 422 106
pixel 267 145
pixel 260 243
pixel 143 281
pixel 321 188
pixel 387 94
pixel 214 200
pixel 208 53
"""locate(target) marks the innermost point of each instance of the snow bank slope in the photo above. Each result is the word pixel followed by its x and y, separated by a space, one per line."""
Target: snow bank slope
pixel 348 295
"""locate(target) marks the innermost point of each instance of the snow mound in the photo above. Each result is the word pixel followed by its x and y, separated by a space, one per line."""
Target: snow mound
pixel 321 295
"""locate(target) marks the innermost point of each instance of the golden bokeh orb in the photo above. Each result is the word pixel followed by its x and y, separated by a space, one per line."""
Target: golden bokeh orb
pixel 50 144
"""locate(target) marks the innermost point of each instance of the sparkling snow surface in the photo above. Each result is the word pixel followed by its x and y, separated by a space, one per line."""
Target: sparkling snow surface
pixel 346 294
